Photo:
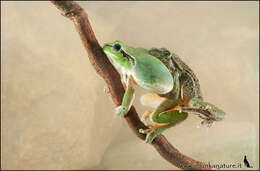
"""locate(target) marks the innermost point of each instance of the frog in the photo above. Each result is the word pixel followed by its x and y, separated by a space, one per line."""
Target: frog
pixel 173 88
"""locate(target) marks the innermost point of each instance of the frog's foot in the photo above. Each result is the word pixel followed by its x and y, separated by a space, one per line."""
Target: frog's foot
pixel 150 134
pixel 121 110
pixel 206 122
pixel 150 137
pixel 146 131
pixel 152 128
pixel 153 131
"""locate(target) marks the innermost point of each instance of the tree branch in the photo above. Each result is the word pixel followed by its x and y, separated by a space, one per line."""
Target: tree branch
pixel 106 70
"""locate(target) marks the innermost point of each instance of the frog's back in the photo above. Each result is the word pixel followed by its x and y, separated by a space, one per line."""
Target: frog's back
pixel 189 83
pixel 188 80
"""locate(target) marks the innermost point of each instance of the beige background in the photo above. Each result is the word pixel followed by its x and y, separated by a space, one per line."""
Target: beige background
pixel 55 114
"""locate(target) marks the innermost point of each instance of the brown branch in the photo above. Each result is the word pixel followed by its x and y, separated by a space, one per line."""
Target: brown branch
pixel 104 68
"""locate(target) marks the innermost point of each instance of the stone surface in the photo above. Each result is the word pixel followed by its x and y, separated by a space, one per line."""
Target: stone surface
pixel 56 116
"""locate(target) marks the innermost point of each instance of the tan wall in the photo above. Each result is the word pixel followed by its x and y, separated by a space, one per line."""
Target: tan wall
pixel 55 114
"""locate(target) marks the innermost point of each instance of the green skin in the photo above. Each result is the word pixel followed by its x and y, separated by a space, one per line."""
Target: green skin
pixel 163 73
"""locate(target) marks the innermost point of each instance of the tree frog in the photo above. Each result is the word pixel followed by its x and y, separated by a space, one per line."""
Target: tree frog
pixel 174 89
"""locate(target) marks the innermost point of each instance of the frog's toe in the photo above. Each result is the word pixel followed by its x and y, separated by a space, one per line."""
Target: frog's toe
pixel 150 137
pixel 121 110
pixel 141 131
pixel 154 133
pixel 145 131
pixel 206 122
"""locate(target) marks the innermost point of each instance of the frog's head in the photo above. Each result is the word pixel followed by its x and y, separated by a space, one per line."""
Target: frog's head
pixel 116 53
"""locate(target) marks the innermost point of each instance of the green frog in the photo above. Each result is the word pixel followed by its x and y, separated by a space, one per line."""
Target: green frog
pixel 174 89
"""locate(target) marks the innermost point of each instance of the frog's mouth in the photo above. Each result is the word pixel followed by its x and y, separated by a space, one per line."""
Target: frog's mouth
pixel 128 57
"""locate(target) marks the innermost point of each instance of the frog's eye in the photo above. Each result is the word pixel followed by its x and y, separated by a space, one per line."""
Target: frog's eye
pixel 117 47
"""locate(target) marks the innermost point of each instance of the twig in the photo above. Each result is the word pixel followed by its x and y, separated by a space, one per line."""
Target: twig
pixel 104 68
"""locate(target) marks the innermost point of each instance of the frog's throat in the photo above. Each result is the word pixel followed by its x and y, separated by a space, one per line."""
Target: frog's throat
pixel 128 57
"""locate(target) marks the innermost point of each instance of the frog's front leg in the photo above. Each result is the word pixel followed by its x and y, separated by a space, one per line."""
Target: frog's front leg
pixel 163 118
pixel 208 112
pixel 128 99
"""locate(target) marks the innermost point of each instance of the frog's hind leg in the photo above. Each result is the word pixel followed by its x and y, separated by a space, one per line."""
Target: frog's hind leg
pixel 153 127
pixel 208 112
pixel 151 135
pixel 148 113
pixel 153 100
pixel 163 117
pixel 165 120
